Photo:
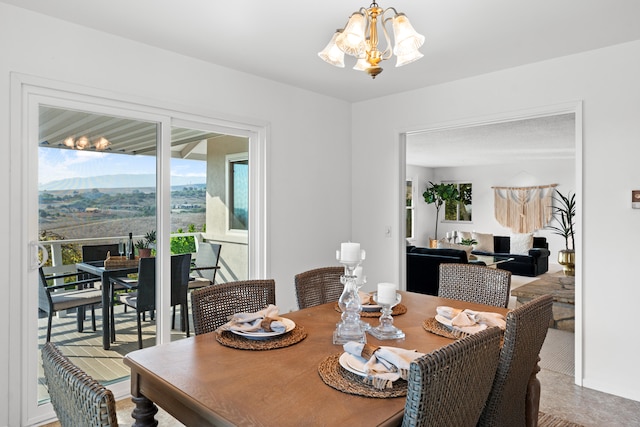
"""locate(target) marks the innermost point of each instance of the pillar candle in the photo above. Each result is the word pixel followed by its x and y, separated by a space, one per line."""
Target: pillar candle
pixel 350 252
pixel 386 293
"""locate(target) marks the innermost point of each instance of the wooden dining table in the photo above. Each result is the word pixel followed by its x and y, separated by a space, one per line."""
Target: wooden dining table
pixel 201 382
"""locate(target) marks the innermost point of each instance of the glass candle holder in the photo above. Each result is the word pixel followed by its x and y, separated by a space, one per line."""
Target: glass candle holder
pixel 385 330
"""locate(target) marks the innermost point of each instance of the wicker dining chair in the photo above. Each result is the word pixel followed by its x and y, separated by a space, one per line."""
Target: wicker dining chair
pixel 449 386
pixel 524 335
pixel 77 399
pixel 213 305
pixel 318 286
pixel 475 283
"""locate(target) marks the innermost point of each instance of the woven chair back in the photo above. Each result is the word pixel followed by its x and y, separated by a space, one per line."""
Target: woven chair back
pixel 448 387
pixel 213 305
pixel 524 335
pixel 475 283
pixel 78 399
pixel 318 286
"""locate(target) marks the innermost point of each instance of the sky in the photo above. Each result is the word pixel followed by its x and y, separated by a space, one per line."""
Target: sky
pixel 57 164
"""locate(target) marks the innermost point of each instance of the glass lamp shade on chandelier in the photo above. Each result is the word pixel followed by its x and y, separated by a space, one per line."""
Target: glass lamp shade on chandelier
pixel 359 38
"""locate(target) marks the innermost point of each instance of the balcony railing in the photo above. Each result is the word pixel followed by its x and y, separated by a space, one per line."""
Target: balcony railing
pixel 55 249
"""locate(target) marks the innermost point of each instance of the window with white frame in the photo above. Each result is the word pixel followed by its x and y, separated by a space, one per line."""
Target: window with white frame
pixel 238 191
pixel 409 209
pixel 460 210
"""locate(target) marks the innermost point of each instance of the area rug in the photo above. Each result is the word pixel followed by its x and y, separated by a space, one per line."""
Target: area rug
pixel 548 420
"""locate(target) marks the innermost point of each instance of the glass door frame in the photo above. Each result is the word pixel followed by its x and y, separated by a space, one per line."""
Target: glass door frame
pixel 27 94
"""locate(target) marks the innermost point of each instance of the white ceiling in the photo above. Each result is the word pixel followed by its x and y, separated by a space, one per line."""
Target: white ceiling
pixel 541 138
pixel 279 39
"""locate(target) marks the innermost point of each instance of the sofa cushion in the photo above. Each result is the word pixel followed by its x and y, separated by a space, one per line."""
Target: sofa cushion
pixel 521 243
pixel 485 242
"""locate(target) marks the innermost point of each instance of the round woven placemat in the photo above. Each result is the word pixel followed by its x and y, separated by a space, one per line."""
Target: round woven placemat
pixel 339 378
pixel 229 339
pixel 397 311
pixel 433 326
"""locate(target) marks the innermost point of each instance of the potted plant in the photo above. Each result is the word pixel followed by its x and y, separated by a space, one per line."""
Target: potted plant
pixel 144 246
pixel 438 194
pixel 563 214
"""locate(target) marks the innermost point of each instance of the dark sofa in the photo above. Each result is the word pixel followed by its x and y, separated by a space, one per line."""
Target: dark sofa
pixel 533 264
pixel 423 267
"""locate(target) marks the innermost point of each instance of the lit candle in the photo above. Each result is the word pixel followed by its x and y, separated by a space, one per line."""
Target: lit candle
pixel 350 252
pixel 386 293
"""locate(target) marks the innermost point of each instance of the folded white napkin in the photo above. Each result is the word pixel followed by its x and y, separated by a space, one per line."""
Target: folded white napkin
pixel 383 365
pixel 471 321
pixel 265 320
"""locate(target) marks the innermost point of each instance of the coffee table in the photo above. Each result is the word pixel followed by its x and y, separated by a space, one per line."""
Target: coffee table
pixel 490 260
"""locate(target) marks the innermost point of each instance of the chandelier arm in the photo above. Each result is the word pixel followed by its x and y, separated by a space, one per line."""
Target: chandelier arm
pixel 388 52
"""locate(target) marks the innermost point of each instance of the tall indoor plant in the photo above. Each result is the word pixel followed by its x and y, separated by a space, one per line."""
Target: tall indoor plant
pixel 438 194
pixel 564 213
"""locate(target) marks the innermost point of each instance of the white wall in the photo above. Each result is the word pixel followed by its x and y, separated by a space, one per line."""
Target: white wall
pixel 304 227
pixel 423 214
pixel 606 80
pixel 525 174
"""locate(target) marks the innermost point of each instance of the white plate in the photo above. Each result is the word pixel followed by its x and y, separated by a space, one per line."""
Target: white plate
pixel 288 323
pixel 352 363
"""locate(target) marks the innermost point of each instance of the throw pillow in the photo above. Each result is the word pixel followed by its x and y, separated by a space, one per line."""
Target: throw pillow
pixel 447 245
pixel 521 243
pixel 485 242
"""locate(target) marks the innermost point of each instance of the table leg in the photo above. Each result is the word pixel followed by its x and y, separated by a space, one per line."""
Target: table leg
pixel 532 405
pixel 106 312
pixel 144 412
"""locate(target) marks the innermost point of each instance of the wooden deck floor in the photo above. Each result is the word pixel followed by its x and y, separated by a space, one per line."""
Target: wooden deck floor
pixel 85 348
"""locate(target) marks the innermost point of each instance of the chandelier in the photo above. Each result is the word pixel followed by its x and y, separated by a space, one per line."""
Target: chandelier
pixel 359 38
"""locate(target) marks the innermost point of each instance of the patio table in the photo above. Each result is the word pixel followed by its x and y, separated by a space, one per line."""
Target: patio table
pixel 97 269
pixel 201 382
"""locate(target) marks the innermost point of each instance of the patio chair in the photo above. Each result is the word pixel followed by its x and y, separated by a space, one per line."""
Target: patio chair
pixel 180 266
pixel 524 335
pixel 77 399
pixel 212 305
pixel 475 283
pixel 143 299
pixel 98 252
pixel 51 302
pixel 318 286
pixel 205 265
pixel 449 386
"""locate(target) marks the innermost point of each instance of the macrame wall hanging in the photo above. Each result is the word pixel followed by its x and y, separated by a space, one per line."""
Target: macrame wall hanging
pixel 524 209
